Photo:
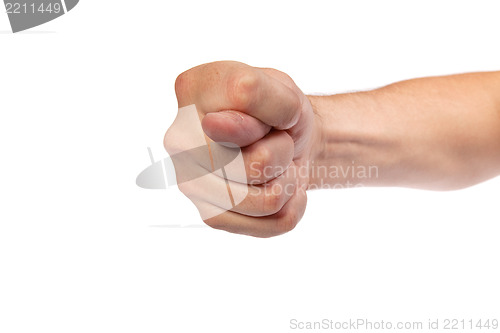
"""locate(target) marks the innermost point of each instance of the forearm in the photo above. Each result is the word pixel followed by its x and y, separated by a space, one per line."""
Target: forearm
pixel 436 133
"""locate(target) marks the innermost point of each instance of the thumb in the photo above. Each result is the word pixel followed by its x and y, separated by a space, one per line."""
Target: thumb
pixel 234 127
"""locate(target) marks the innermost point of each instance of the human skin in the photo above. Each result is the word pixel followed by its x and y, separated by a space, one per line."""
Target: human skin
pixel 437 133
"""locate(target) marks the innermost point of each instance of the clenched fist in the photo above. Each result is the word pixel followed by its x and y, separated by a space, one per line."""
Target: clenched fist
pixel 258 115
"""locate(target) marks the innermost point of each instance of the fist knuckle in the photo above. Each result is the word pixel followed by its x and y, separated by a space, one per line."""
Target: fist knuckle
pixel 287 221
pixel 242 87
pixel 262 159
pixel 262 167
pixel 273 200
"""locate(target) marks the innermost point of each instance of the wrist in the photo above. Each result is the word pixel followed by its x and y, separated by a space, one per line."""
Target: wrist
pixel 354 145
pixel 318 138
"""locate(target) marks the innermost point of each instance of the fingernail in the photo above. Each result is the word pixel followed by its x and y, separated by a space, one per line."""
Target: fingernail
pixel 230 115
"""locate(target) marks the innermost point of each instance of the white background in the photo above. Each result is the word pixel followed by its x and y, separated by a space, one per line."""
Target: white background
pixel 83 96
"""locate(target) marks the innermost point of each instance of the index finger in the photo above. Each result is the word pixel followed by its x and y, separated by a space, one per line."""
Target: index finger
pixel 222 86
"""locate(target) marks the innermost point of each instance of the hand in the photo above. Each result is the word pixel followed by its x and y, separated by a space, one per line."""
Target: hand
pixel 265 113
